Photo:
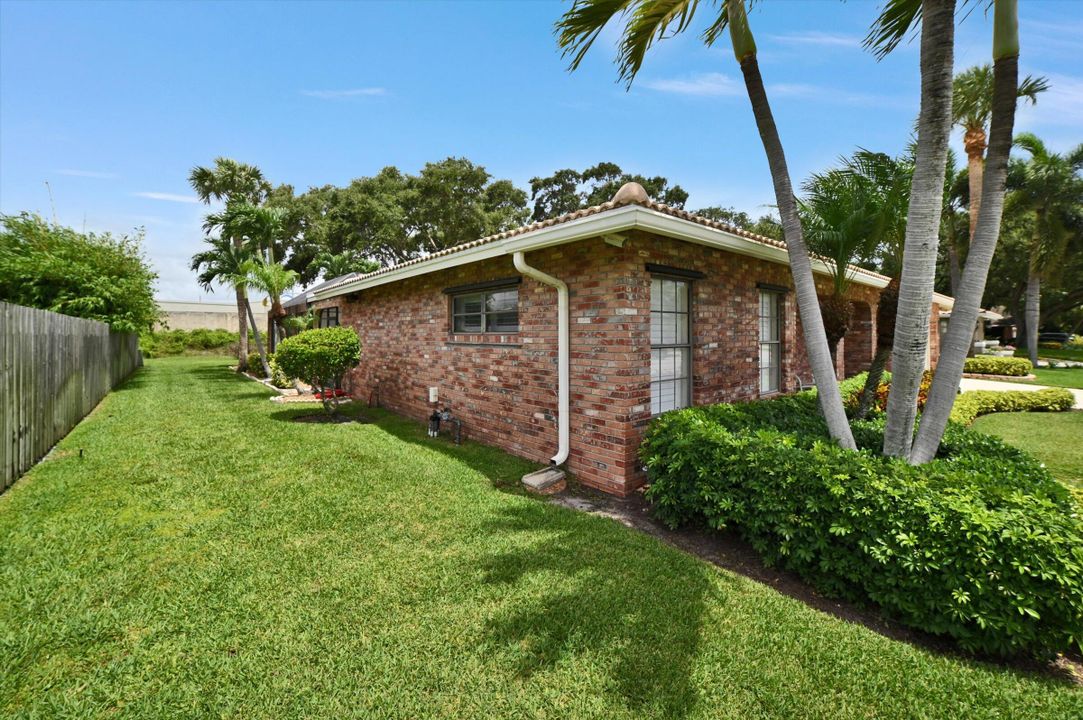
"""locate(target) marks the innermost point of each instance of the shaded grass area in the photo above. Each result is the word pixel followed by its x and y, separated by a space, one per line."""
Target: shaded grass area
pixel 1054 438
pixel 207 556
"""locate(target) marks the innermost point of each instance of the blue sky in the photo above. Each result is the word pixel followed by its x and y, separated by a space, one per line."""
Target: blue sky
pixel 113 103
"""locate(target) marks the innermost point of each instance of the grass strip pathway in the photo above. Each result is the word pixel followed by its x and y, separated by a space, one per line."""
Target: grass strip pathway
pixel 206 557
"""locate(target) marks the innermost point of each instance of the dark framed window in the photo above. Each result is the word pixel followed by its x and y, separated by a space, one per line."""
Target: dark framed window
pixel 494 310
pixel 671 343
pixel 328 317
pixel 770 341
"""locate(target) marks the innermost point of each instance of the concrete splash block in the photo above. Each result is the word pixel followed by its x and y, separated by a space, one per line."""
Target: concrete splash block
pixel 545 482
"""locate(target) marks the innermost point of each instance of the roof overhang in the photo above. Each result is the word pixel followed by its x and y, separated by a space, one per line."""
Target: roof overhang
pixel 623 219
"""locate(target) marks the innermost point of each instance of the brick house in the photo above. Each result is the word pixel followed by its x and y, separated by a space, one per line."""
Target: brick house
pixel 662 309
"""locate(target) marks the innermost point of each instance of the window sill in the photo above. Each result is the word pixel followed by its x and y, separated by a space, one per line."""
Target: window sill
pixel 485 339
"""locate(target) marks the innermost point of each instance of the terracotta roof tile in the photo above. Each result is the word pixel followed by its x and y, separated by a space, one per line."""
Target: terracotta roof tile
pixel 576 215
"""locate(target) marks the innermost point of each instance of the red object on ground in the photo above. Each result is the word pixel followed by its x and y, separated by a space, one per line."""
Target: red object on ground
pixel 337 393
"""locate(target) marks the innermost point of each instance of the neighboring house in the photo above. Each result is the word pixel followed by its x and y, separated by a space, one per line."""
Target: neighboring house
pixel 662 309
pixel 183 315
pixel 300 303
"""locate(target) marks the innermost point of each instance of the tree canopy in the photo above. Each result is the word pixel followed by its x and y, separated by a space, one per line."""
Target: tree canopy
pixel 393 216
pixel 569 190
pixel 99 277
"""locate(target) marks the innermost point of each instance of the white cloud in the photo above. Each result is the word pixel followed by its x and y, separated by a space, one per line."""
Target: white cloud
pixel 704 85
pixel 168 197
pixel 834 95
pixel 88 174
pixel 344 94
pixel 1061 104
pixel 820 39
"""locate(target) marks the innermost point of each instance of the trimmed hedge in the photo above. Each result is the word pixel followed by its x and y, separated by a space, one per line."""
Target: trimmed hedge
pixel 975 403
pixel 994 365
pixel 981 545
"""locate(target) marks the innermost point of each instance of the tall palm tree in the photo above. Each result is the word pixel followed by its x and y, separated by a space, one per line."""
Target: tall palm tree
pixel 645 22
pixel 840 215
pixel 911 339
pixel 230 181
pixel 972 106
pixel 957 341
pixel 272 279
pixel 227 264
pixel 1049 186
pixel 259 229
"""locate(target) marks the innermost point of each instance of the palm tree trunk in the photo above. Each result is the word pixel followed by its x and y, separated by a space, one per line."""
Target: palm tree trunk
pixel 819 354
pixel 955 344
pixel 975 149
pixel 872 383
pixel 954 266
pixel 1033 312
pixel 922 225
pixel 242 327
pixel 259 342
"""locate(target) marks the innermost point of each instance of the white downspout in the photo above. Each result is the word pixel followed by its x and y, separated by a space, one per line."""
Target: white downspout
pixel 563 419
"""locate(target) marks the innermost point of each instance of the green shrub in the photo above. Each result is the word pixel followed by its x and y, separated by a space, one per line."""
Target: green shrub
pixel 981 544
pixel 180 342
pixel 975 403
pixel 320 357
pixel 255 365
pixel 278 378
pixel 994 365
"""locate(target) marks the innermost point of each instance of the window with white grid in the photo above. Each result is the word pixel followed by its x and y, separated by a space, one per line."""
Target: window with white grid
pixel 770 341
pixel 671 344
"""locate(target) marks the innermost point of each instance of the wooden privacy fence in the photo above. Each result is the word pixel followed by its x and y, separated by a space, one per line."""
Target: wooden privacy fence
pixel 55 370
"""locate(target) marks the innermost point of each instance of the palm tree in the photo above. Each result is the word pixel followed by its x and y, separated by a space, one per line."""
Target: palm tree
pixel 957 341
pixel 1050 187
pixel 645 22
pixel 343 263
pixel 972 105
pixel 911 339
pixel 273 279
pixel 230 181
pixel 227 264
pixel 258 229
pixel 839 214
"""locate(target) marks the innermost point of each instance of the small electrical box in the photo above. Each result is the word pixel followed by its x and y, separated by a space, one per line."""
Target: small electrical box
pixel 434 394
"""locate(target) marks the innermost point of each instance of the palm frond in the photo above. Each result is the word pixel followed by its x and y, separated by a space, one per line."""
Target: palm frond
pixel 896 21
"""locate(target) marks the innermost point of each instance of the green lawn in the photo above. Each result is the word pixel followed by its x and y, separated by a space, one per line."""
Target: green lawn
pixel 1054 438
pixel 189 552
pixel 1068 353
pixel 1054 377
pixel 1059 377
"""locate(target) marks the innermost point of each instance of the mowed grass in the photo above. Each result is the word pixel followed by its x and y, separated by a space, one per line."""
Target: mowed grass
pixel 1059 377
pixel 206 557
pixel 1054 438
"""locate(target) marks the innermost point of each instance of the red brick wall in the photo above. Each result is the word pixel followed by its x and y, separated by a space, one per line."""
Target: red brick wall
pixel 503 387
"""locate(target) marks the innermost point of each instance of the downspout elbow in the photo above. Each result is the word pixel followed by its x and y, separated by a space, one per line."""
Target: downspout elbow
pixel 563 351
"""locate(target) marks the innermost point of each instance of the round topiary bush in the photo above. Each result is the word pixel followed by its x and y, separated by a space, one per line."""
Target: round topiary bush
pixel 320 357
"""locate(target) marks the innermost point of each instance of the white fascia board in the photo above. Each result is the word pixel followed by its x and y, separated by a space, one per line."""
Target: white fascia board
pixel 944 301
pixel 580 229
pixel 629 217
pixel 712 237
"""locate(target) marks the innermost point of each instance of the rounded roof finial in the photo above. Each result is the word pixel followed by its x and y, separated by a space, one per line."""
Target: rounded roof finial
pixel 631 192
